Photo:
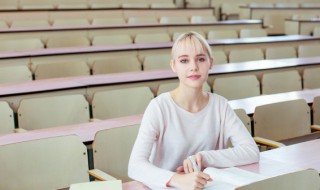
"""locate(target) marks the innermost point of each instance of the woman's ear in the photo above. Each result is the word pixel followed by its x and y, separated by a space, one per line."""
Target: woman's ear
pixel 172 65
pixel 211 63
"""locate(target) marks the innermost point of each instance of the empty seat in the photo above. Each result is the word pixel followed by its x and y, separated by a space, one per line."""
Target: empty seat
pixel 177 34
pixel 64 69
pixel 237 87
pixel 29 23
pixel 21 44
pixel 197 3
pixel 116 65
pixel 120 39
pixel 303 16
pixel 158 61
pixel 72 4
pixel 6 118
pixel 316 110
pixel 162 5
pixel 121 102
pixel 241 113
pixel 202 19
pixel 242 55
pixel 142 20
pixel 250 33
pixel 280 52
pixel 70 22
pixel 166 87
pixel 219 57
pixel 114 146
pixel 281 82
pixel 59 42
pixel 309 4
pixel 8 4
pixel 17 73
pixel 222 34
pixel 174 20
pixel 311 78
pixel 45 112
pixel 108 21
pixel 3 25
pixel 131 5
pixel 98 4
pixel 36 4
pixel 287 5
pixel 230 11
pixel 152 38
pixel 311 50
pixel 316 31
pixel 44 163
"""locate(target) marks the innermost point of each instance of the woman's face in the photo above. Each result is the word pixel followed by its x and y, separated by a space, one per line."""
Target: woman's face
pixel 191 63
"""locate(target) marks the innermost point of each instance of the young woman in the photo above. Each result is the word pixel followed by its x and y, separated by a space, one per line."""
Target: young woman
pixel 189 122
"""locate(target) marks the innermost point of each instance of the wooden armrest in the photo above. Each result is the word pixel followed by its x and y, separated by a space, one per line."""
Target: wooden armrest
pixel 19 130
pixel 98 174
pixel 315 127
pixel 94 120
pixel 268 142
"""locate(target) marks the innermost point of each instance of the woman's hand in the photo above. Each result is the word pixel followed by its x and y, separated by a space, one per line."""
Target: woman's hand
pixel 190 181
pixel 188 167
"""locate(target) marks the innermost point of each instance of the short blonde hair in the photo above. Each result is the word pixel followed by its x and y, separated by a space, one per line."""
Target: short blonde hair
pixel 193 38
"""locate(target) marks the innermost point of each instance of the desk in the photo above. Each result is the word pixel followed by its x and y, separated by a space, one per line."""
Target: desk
pixel 301 26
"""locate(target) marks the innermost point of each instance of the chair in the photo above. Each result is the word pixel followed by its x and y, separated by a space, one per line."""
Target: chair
pixel 197 3
pixel 45 163
pixel 241 113
pixel 70 22
pixel 61 42
pixel 278 82
pixel 177 34
pixel 222 34
pixel 303 16
pixel 304 179
pixel 112 149
pixel 8 4
pixel 202 19
pixel 21 44
pixel 120 39
pixel 311 78
pixel 281 52
pixel 237 87
pixel 18 73
pixel 163 5
pixel 142 20
pixel 108 21
pixel 100 4
pixel 219 57
pixel 120 102
pixel 230 11
pixel 174 20
pixel 316 31
pixel 311 50
pixel 45 112
pixel 166 87
pixel 116 65
pixel 29 23
pixel 316 110
pixel 72 4
pixel 157 62
pixel 282 120
pixel 252 33
pixel 142 4
pixel 3 25
pixel 309 4
pixel 152 38
pixel 36 4
pixel 61 69
pixel 286 5
pixel 241 55
pixel 6 118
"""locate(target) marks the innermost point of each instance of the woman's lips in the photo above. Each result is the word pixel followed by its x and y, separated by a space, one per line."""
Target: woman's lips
pixel 194 77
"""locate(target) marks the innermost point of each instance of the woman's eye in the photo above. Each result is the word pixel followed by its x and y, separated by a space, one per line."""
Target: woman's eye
pixel 183 61
pixel 202 59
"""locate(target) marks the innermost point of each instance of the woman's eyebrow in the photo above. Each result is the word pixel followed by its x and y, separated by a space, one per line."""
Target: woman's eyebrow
pixel 183 56
pixel 200 55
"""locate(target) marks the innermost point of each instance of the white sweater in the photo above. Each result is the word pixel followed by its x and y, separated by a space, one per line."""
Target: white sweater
pixel 169 134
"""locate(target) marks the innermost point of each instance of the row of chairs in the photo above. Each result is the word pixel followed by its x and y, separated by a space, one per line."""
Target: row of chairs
pixel 82 22
pixel 83 4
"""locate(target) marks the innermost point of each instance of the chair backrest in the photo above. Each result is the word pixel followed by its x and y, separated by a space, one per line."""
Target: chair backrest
pixel 116 65
pixel 143 20
pixel 237 87
pixel 3 25
pixel 316 31
pixel 241 55
pixel 241 113
pixel 281 82
pixel 9 5
pixel 50 163
pixel 222 34
pixel 203 19
pixel 174 20
pixel 29 23
pixel 304 179
pixel 162 5
pixel 45 112
pixel 98 4
pixel 166 87
pixel 219 57
pixel 70 22
pixel 289 4
pixel 311 78
pixel 58 70
pixel 35 4
pixel 303 16
pixel 177 34
pixel 197 3
pixel 152 38
pixel 72 4
pixel 316 110
pixel 282 120
pixel 59 42
pixel 249 33
pixel 6 118
pixel 120 39
pixel 21 44
pixel 109 21
pixel 159 61
pixel 17 73
pixel 112 149
pixel 281 52
pixel 310 4
pixel 121 102
pixel 311 50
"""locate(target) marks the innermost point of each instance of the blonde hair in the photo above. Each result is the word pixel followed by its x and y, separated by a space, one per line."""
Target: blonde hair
pixel 191 38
